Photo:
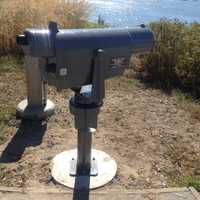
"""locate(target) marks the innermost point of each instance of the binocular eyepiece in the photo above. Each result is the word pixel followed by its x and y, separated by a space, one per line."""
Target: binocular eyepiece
pixel 22 40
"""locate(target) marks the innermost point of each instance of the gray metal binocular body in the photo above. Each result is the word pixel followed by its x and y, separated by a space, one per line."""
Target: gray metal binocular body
pixel 70 54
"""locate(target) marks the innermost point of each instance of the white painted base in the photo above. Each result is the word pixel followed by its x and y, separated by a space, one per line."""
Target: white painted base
pixel 60 170
pixel 34 112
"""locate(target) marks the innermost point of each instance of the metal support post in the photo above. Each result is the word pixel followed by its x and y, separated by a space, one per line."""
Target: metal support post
pixel 84 152
pixel 84 161
pixel 36 106
pixel 86 123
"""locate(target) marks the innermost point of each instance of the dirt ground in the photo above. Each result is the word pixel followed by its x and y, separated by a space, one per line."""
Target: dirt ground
pixel 152 139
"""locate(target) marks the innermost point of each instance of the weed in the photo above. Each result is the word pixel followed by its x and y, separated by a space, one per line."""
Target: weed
pixel 190 181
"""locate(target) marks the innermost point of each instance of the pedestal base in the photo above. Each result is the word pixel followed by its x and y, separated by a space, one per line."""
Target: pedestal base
pixel 60 170
pixel 34 112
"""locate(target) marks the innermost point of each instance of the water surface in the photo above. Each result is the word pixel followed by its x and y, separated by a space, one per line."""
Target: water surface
pixel 134 12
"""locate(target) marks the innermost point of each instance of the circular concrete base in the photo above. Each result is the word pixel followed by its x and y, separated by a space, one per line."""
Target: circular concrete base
pixel 60 170
pixel 35 112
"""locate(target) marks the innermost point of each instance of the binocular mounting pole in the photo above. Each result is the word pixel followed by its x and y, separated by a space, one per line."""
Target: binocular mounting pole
pixel 84 161
pixel 85 122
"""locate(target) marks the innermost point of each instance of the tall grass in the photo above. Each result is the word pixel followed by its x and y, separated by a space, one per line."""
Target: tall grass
pixel 16 15
pixel 175 60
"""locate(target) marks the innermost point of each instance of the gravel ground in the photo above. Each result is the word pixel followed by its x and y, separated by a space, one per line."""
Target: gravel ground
pixel 153 139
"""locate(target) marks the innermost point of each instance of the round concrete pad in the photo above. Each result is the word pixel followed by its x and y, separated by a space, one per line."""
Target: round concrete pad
pixel 60 170
pixel 35 112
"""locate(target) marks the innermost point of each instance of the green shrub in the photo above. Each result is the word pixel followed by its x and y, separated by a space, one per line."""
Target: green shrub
pixel 188 63
pixel 190 181
pixel 175 60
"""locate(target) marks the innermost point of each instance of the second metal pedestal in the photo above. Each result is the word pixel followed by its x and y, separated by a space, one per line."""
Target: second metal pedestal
pixel 36 106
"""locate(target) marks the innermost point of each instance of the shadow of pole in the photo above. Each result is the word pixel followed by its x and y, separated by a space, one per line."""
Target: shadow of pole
pixel 82 188
pixel 30 133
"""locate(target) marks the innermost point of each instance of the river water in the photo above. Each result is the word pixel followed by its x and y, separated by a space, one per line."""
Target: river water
pixel 134 12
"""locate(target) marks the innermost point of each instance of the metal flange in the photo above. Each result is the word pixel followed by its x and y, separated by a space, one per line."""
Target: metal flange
pixel 25 111
pixel 61 169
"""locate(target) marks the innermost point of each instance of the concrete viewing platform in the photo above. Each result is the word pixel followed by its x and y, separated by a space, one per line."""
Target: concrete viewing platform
pixel 60 194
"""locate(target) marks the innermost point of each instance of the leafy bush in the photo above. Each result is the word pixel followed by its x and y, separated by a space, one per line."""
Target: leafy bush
pixel 190 181
pixel 16 15
pixel 175 60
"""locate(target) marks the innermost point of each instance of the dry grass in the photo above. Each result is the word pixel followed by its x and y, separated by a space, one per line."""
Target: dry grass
pixel 11 71
pixel 16 15
pixel 188 103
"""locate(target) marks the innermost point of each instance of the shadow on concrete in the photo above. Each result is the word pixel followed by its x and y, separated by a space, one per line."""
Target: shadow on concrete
pixel 82 188
pixel 30 133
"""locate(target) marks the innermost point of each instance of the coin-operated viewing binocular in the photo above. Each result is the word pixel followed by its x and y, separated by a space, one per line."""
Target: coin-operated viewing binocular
pixel 76 58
